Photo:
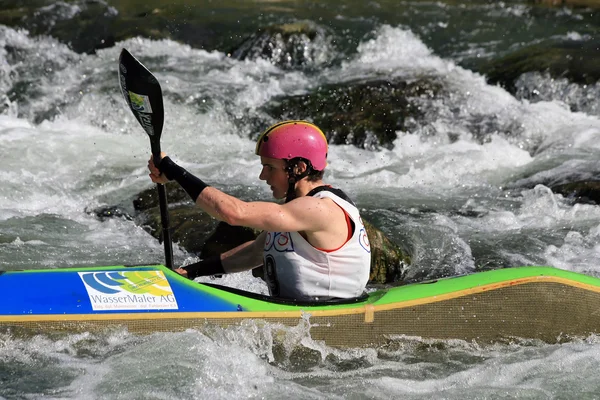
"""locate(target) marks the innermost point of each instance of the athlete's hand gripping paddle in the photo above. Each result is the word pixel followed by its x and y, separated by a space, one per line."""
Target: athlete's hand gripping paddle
pixel 144 97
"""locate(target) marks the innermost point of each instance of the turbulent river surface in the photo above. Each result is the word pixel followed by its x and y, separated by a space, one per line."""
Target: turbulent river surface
pixel 466 188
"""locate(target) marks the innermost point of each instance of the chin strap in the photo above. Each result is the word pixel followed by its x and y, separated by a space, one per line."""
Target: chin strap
pixel 291 192
pixel 293 178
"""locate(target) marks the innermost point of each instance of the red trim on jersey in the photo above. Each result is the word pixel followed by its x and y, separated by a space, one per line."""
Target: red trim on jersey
pixel 350 232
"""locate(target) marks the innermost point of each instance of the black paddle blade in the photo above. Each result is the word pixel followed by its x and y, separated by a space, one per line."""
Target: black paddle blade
pixel 143 95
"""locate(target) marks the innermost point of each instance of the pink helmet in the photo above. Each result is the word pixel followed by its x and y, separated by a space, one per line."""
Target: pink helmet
pixel 289 139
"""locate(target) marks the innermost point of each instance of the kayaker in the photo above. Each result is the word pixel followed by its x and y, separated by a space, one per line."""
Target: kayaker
pixel 313 246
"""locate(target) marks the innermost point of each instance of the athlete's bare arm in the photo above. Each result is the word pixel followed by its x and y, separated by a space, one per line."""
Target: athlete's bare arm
pixel 320 219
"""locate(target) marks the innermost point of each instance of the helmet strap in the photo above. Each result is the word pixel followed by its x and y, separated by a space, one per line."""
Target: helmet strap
pixel 293 178
pixel 291 192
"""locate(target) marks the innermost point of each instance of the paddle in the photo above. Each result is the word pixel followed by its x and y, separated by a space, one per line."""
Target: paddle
pixel 144 97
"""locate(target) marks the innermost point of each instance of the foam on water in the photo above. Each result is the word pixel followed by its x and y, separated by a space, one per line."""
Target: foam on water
pixel 579 252
pixel 539 209
pixel 56 165
pixel 512 371
pixel 435 162
pixel 432 168
pixel 394 52
pixel 472 103
pixel 262 361
pixel 537 86
pixel 54 175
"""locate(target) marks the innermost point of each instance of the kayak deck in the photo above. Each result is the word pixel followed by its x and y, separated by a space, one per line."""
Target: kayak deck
pixel 527 302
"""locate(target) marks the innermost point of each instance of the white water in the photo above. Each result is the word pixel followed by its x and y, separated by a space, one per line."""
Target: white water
pixel 91 153
pixel 242 363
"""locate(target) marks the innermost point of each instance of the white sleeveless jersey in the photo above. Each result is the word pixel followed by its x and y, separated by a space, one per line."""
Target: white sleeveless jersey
pixel 295 269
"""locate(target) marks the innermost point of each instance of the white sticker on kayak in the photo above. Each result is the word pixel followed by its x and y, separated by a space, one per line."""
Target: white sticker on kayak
pixel 128 290
pixel 140 103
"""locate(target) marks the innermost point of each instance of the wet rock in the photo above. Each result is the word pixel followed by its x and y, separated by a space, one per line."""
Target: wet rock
pixel 561 178
pixel 85 26
pixel 576 60
pixel 388 260
pixel 173 22
pixel 302 359
pixel 148 198
pixel 104 213
pixel 89 25
pixel 225 237
pixel 569 3
pixel 193 229
pixel 365 114
pixel 342 364
pixel 294 45
pixel 190 227
pixel 581 192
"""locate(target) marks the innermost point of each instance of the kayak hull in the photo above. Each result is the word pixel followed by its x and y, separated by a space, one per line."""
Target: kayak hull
pixel 541 303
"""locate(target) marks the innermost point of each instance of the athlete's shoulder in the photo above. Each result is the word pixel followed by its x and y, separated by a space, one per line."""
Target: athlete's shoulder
pixel 329 189
pixel 311 204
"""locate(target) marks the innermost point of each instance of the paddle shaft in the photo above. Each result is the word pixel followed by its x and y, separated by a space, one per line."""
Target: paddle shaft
pixel 164 212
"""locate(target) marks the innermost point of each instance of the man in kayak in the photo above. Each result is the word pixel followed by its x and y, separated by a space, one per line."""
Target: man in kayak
pixel 314 246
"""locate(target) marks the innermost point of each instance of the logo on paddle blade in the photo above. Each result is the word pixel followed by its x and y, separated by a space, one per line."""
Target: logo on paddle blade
pixel 140 103
pixel 128 290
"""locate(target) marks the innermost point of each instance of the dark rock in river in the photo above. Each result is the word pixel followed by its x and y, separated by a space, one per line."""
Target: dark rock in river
pixel 580 192
pixel 579 183
pixel 576 60
pixel 569 3
pixel 388 261
pixel 225 237
pixel 104 213
pixel 198 233
pixel 86 27
pixel 189 225
pixel 300 44
pixel 148 198
pixel 365 114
